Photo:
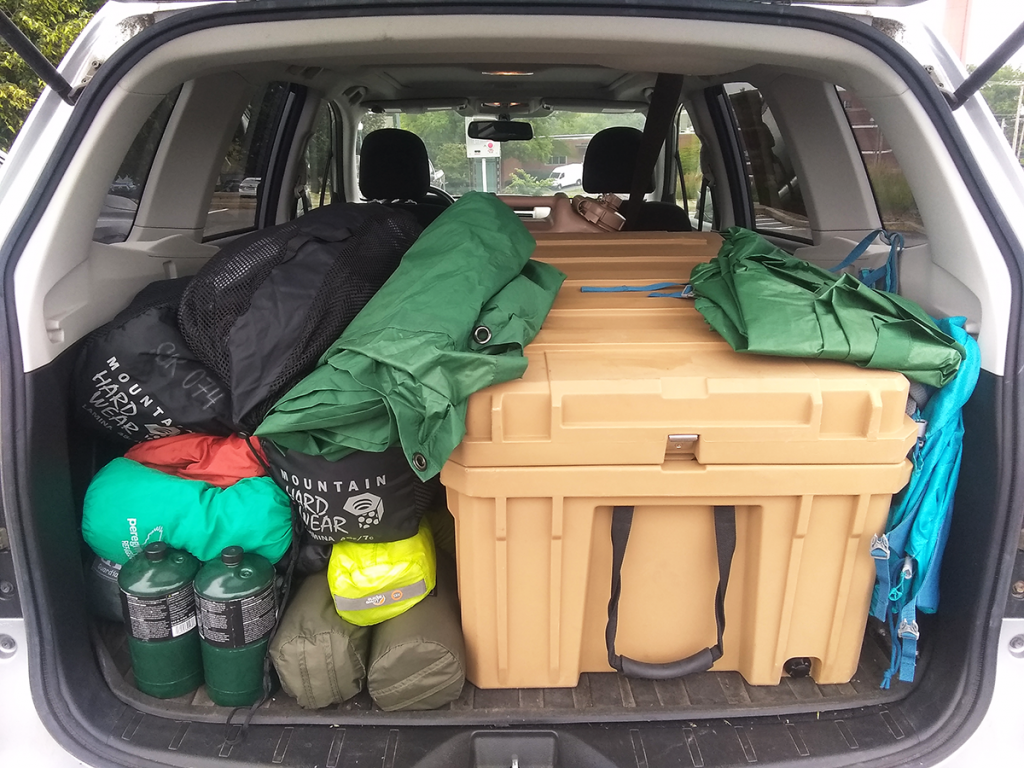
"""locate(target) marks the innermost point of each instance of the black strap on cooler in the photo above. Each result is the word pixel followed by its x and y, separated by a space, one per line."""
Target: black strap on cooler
pixel 725 543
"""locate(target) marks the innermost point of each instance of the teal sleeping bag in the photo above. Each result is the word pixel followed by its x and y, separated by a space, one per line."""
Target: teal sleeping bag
pixel 129 505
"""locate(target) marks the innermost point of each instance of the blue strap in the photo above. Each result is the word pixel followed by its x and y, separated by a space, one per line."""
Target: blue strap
pixel 889 552
pixel 686 293
pixel 903 629
pixel 659 290
pixel 894 655
pixel 886 274
pixel 628 288
pixel 872 276
pixel 880 599
pixel 857 252
pixel 909 633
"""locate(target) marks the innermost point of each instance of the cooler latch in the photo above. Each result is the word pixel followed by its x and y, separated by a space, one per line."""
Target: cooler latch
pixel 681 446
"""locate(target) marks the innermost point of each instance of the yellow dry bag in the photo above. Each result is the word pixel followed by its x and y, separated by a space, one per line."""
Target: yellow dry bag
pixel 372 583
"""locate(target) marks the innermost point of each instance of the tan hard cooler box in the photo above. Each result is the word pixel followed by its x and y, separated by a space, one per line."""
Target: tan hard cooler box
pixel 633 401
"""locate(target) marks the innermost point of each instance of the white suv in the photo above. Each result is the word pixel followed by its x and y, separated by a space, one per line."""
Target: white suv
pixel 813 126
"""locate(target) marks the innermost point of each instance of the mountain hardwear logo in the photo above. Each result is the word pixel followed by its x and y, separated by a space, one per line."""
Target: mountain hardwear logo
pixel 367 508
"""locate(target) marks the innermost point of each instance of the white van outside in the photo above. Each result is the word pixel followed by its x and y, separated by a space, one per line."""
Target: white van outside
pixel 565 176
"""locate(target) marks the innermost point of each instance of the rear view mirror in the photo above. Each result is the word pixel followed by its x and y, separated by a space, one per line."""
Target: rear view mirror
pixel 499 130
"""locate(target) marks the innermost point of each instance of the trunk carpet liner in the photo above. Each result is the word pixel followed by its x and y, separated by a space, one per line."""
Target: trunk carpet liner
pixel 599 697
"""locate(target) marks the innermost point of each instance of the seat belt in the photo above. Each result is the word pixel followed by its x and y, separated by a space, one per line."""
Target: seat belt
pixel 660 115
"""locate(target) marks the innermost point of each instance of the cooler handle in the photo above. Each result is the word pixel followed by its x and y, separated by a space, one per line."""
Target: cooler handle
pixel 725 543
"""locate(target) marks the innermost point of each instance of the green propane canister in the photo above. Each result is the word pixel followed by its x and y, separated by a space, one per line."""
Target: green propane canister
pixel 102 589
pixel 237 609
pixel 159 611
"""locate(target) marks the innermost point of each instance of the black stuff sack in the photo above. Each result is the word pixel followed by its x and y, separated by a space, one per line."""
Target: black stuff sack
pixel 367 497
pixel 136 379
pixel 263 310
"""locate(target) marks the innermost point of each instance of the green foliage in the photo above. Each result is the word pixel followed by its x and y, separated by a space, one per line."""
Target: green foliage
pixel 458 176
pixel 444 134
pixel 583 123
pixel 689 158
pixel 1002 93
pixel 895 199
pixel 689 154
pixel 539 148
pixel 319 150
pixel 372 122
pixel 521 182
pixel 436 128
pixel 52 25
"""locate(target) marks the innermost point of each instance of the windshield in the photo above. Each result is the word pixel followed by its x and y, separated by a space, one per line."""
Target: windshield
pixel 550 162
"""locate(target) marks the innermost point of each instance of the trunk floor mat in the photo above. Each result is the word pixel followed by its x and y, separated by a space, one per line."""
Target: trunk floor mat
pixel 599 697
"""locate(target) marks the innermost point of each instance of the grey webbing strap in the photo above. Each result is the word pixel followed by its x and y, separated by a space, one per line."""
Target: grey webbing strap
pixel 380 599
pixel 285 597
pixel 660 115
pixel 725 543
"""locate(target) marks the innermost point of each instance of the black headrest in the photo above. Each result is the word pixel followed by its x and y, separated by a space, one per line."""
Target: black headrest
pixel 393 165
pixel 610 159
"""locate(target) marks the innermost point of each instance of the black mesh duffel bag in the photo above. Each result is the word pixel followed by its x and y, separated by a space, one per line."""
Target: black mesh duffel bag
pixel 262 311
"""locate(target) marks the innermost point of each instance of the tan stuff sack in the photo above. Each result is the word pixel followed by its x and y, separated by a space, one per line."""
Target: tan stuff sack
pixel 418 659
pixel 320 658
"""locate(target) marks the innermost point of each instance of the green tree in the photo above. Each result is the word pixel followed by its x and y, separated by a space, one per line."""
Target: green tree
pixel 1002 93
pixel 436 128
pixel 451 158
pixel 522 183
pixel 52 25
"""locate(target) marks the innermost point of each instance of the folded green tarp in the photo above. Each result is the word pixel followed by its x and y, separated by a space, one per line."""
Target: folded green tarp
pixel 452 319
pixel 762 300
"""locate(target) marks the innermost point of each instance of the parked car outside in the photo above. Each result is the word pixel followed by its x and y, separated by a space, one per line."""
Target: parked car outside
pixel 249 186
pixel 565 176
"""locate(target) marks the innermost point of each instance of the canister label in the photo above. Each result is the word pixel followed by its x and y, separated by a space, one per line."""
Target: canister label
pixel 234 623
pixel 160 618
pixel 107 570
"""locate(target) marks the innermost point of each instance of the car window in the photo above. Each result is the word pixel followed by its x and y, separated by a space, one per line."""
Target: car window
pixel 117 216
pixel 774 187
pixel 551 162
pixel 233 204
pixel 316 173
pixel 689 192
pixel 896 205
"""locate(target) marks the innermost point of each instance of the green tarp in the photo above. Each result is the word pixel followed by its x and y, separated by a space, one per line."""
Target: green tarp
pixel 404 368
pixel 762 300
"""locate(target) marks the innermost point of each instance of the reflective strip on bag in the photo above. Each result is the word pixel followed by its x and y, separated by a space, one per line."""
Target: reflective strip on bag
pixel 380 599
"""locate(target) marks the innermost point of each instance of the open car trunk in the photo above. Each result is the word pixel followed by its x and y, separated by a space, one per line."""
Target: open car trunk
pixel 81 669
pixel 713 716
